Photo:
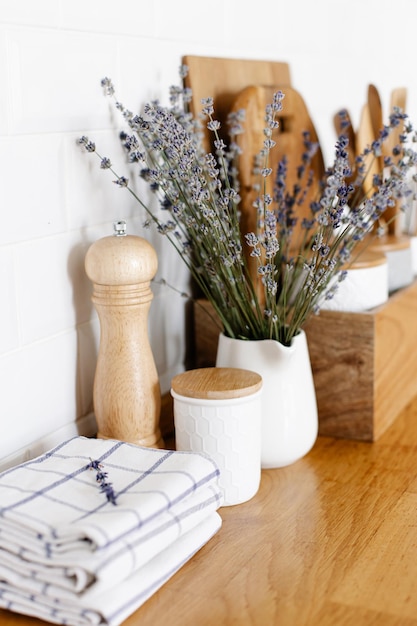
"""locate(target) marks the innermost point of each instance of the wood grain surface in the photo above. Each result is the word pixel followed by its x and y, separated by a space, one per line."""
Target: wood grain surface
pixel 328 541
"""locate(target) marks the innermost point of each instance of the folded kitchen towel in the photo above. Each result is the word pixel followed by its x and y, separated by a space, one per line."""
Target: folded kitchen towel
pixel 91 513
pixel 76 570
pixel 111 609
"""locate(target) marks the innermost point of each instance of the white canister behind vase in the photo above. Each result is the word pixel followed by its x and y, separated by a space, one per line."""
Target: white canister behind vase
pixel 365 286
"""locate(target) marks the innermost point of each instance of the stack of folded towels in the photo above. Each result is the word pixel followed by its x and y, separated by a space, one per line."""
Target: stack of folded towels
pixel 91 529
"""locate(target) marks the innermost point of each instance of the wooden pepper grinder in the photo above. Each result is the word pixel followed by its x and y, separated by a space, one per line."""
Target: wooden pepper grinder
pixel 127 396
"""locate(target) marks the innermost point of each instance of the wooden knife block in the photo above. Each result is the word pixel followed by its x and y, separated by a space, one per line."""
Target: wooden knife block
pixel 364 364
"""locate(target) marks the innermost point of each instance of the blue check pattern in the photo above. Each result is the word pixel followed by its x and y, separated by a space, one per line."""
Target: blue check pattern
pixel 63 544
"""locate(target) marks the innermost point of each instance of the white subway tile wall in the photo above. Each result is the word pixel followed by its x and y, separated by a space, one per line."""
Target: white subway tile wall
pixel 55 201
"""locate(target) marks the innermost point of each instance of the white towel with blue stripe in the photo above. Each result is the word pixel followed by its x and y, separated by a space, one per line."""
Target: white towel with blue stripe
pixel 93 515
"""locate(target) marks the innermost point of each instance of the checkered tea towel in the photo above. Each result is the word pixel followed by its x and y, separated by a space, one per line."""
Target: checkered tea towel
pixel 90 513
pixel 111 609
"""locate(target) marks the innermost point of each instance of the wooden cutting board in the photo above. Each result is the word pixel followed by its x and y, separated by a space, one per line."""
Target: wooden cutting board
pixel 372 119
pixel 376 117
pixel 375 109
pixel 364 137
pixel 398 99
pixel 293 120
pixel 223 79
pixel 349 132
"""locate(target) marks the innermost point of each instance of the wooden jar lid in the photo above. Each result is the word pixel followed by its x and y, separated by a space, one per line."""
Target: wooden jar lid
pixel 391 243
pixel 216 383
pixel 367 258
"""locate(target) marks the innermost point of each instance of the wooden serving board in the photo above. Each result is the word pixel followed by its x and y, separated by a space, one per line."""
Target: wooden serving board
pixel 375 110
pixel 349 132
pixel 398 99
pixel 364 137
pixel 223 79
pixel 293 120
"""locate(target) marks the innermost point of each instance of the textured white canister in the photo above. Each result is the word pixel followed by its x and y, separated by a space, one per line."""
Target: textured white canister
pixel 397 249
pixel 217 411
pixel 366 285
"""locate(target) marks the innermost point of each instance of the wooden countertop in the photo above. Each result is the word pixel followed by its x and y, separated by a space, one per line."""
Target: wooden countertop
pixel 328 541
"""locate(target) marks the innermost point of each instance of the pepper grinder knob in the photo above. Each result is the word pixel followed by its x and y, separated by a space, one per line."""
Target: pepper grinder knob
pixel 127 396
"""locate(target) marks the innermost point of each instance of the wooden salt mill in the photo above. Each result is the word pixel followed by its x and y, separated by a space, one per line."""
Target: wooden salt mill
pixel 127 397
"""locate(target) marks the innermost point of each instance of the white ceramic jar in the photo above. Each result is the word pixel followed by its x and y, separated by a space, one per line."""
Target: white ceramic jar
pixel 217 411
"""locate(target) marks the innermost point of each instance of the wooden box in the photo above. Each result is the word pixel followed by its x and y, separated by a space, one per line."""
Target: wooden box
pixel 364 364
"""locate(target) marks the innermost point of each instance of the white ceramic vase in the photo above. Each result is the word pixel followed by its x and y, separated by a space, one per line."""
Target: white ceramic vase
pixel 289 423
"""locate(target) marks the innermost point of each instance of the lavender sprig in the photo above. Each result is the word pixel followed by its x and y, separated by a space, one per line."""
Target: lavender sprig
pixel 101 478
pixel 297 268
